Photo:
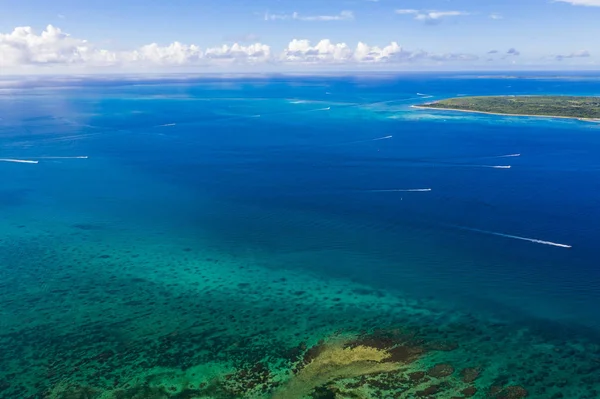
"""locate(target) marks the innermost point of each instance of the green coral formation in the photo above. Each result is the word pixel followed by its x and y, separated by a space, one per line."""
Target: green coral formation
pixel 334 362
pixel 245 331
pixel 367 366
pixel 553 106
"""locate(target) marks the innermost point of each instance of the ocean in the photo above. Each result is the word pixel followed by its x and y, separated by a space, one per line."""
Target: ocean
pixel 209 237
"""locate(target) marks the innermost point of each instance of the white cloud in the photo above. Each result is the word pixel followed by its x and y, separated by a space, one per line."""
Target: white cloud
pixel 588 3
pixel 496 16
pixel 391 52
pixel 327 52
pixel 324 51
pixel 441 14
pixel 253 53
pixel 182 54
pixel 407 11
pixel 173 54
pixel 24 47
pixel 576 54
pixel 301 51
pixel 342 16
pixel 430 16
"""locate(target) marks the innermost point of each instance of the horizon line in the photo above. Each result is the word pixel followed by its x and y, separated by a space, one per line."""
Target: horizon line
pixel 297 72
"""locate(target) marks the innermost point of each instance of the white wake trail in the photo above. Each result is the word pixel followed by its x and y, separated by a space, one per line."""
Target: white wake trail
pixel 367 141
pixel 405 190
pixel 554 244
pixel 78 157
pixel 17 160
pixel 167 124
pixel 488 166
pixel 508 156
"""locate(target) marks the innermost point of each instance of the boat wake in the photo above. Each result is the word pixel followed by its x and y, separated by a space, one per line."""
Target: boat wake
pixel 17 160
pixel 367 141
pixel 487 166
pixel 536 241
pixel 382 138
pixel 402 190
pixel 508 156
pixel 496 156
pixel 77 157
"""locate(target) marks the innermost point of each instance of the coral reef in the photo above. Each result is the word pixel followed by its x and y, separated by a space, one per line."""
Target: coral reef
pixel 335 361
pixel 218 327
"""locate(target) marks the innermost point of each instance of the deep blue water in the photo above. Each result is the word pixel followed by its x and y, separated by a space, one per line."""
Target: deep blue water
pixel 297 177
pixel 285 171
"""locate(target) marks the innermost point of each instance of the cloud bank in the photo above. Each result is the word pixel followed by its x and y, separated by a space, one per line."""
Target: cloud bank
pixel 24 50
pixel 53 47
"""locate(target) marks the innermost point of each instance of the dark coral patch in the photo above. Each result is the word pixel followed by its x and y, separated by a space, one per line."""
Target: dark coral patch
pixel 416 376
pixel 404 354
pixel 431 390
pixel 325 392
pixel 440 371
pixel 470 374
pixel 313 352
pixel 510 392
pixel 401 347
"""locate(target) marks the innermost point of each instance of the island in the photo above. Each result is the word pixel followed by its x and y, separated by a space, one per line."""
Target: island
pixel 583 108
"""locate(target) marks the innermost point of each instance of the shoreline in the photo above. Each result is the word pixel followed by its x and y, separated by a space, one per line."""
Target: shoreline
pixel 501 114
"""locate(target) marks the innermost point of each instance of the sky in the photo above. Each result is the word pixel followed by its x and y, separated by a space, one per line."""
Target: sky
pixel 40 36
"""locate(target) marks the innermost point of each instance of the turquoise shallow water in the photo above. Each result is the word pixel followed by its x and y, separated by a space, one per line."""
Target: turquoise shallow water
pixel 194 239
